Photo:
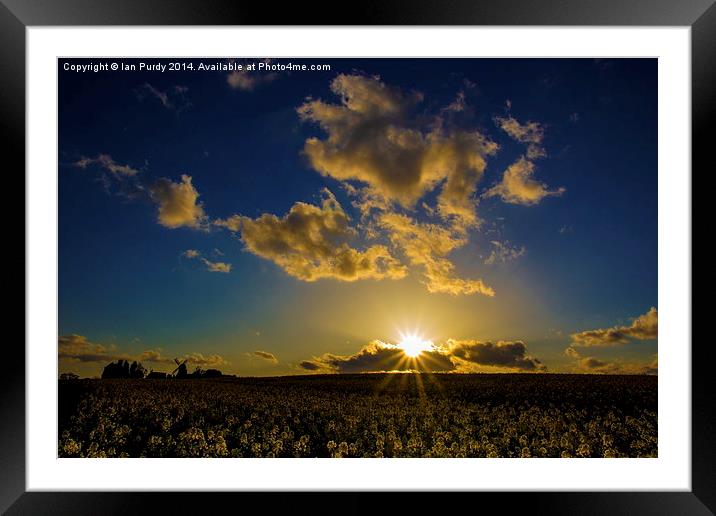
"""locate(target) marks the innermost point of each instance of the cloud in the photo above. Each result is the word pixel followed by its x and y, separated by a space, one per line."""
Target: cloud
pixel 518 187
pixel 592 363
pixel 155 356
pixel 311 242
pixel 178 204
pixel 427 245
pixel 266 356
pixel 597 366
pixel 232 223
pixel 210 266
pixel 455 356
pixel 503 252
pixel 458 105
pixel 390 157
pixel 652 367
pixel 461 158
pixel 529 133
pixel 644 327
pixel 373 139
pixel 107 163
pixel 309 366
pixel 572 353
pixel 249 80
pixel 115 178
pixel 379 356
pixel 173 99
pixel 200 359
pixel 197 359
pixel 242 80
pixel 77 348
pixel 505 354
pixel 216 266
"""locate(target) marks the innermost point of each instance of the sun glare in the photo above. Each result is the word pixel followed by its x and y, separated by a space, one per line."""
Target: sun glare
pixel 414 345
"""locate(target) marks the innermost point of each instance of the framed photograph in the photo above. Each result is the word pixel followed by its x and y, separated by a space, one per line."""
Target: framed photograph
pixel 428 251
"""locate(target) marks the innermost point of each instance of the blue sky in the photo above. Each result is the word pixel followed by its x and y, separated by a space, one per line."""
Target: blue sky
pixel 579 255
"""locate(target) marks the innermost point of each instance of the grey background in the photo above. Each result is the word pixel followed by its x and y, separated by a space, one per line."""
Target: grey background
pixel 15 15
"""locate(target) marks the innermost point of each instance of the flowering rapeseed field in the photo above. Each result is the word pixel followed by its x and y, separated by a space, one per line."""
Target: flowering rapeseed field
pixel 372 415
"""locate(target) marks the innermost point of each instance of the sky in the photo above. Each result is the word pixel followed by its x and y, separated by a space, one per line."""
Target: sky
pixel 356 215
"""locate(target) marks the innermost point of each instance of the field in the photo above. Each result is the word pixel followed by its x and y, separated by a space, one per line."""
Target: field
pixel 374 415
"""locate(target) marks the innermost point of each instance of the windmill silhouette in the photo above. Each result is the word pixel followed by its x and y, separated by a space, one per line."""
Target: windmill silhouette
pixel 180 371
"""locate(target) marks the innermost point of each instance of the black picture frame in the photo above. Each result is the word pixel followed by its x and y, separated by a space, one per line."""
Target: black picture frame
pixel 17 15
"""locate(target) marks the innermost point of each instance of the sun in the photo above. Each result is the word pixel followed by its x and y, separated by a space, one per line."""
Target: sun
pixel 414 345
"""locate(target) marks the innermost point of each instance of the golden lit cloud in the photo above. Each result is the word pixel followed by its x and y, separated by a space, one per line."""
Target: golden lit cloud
pixel 595 365
pixel 458 105
pixel 216 266
pixel 155 356
pixel 105 162
pixel 572 353
pixel 379 356
pixel 232 223
pixel 388 159
pixel 310 366
pixel 503 252
pixel 210 266
pixel 174 99
pixel 178 204
pixel 199 359
pixel 518 187
pixel 644 327
pixel 242 80
pixel 502 354
pixel 270 357
pixel 249 80
pixel 77 348
pixel 427 245
pixel 372 139
pixel 455 356
pixel 461 157
pixel 529 133
pixel 311 242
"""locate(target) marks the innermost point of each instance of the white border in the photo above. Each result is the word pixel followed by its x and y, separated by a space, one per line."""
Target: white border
pixel 671 471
